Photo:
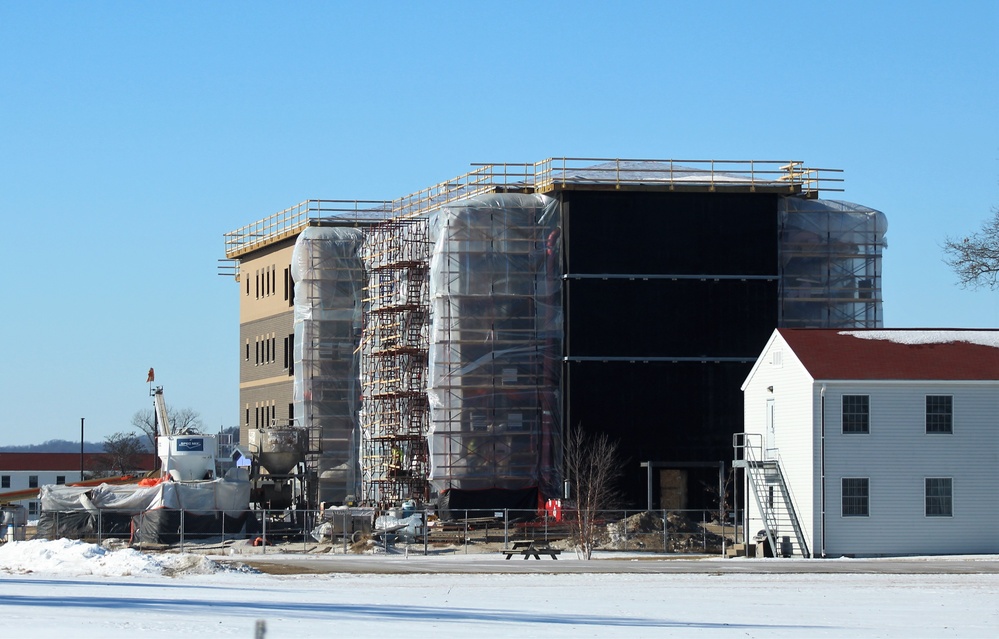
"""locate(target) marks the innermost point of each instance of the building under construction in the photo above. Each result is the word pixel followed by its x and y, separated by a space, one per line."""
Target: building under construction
pixel 437 346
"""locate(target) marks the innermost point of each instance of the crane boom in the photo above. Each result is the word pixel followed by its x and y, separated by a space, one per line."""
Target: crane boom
pixel 161 413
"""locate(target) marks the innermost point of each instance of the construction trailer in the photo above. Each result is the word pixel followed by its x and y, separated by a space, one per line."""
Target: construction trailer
pixel 458 331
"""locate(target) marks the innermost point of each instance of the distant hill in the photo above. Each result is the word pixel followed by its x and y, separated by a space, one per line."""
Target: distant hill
pixel 55 446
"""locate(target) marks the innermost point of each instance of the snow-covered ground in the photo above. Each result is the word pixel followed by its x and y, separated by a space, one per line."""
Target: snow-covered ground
pixel 62 589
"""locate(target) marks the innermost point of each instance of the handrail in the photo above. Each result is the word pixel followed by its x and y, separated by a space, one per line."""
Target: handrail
pixel 294 218
pixel 540 177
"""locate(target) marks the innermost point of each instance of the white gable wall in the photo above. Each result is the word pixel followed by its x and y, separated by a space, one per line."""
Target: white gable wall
pixel 794 411
pixel 897 455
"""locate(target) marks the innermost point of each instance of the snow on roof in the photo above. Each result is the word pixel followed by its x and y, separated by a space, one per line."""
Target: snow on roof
pixel 896 354
pixel 935 336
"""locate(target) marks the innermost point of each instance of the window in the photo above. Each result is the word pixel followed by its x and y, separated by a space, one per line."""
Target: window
pixel 939 497
pixel 291 413
pixel 939 414
pixel 32 507
pixel 856 496
pixel 856 414
pixel 32 481
pixel 247 350
pixel 60 480
pixel 4 481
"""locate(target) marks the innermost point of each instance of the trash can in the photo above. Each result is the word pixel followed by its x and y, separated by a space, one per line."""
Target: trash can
pixel 785 547
pixel 763 548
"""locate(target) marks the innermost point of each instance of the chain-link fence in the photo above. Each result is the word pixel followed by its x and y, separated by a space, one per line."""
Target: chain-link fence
pixel 693 532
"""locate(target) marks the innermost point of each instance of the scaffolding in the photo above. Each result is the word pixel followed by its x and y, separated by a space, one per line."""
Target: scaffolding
pixel 830 264
pixel 428 329
pixel 329 278
pixel 496 344
pixel 393 357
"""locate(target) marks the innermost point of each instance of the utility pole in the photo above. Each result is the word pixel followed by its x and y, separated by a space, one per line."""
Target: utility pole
pixel 81 449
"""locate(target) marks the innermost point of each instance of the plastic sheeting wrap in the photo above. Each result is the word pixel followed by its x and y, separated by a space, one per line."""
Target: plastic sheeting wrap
pixel 231 497
pixel 496 344
pixel 152 512
pixel 830 264
pixel 329 279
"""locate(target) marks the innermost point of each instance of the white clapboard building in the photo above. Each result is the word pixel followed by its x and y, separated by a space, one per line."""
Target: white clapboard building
pixel 873 442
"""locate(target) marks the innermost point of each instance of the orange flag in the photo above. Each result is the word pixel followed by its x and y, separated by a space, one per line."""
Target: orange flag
pixel 150 377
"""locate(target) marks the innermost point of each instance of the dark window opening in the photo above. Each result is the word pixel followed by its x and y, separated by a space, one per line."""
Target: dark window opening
pixel 939 414
pixel 856 414
pixel 939 497
pixel 856 497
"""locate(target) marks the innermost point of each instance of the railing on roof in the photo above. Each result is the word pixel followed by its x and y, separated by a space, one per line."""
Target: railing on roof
pixel 542 177
pixel 774 174
pixel 292 220
pixel 485 178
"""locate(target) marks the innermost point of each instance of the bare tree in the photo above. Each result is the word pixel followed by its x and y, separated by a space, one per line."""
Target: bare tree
pixel 975 258
pixel 721 495
pixel 593 466
pixel 182 420
pixel 122 453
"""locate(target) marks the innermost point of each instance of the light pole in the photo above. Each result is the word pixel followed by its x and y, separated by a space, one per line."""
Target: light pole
pixel 81 449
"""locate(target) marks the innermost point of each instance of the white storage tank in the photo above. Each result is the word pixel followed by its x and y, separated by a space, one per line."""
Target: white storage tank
pixel 188 457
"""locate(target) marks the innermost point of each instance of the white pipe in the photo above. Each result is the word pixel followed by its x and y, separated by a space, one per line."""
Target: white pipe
pixel 822 469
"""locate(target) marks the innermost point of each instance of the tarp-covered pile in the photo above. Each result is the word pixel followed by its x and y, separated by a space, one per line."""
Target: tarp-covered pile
pixel 151 514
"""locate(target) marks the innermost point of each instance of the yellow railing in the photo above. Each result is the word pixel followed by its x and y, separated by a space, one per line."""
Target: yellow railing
pixel 542 177
pixel 293 219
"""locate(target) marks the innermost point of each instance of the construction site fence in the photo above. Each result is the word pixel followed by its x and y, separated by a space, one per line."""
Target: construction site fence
pixel 673 532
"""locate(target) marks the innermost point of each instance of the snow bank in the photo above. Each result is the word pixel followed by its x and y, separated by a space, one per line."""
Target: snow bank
pixel 68 557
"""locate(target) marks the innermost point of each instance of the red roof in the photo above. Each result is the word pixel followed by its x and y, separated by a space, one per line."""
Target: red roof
pixel 61 461
pixel 929 354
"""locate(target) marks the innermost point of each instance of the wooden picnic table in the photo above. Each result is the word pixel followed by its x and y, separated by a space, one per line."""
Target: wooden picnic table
pixel 531 548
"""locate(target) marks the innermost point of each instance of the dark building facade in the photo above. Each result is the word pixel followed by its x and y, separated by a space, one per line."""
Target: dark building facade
pixel 667 298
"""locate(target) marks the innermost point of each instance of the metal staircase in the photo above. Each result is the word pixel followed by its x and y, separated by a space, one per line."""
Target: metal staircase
pixel 772 494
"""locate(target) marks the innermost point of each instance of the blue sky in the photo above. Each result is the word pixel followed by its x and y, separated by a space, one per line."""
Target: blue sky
pixel 133 135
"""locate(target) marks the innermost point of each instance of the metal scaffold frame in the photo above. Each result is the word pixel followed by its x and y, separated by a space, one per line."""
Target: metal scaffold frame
pixel 394 346
pixel 830 264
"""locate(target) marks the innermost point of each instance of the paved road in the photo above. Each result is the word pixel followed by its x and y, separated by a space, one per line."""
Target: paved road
pixel 400 564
